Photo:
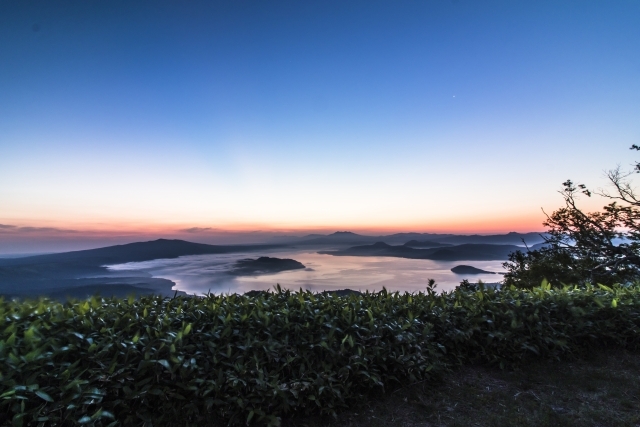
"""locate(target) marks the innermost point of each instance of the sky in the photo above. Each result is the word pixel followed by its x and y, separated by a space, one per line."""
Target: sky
pixel 225 121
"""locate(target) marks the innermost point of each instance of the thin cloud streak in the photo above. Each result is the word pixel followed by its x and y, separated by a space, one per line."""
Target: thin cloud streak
pixel 7 228
pixel 196 229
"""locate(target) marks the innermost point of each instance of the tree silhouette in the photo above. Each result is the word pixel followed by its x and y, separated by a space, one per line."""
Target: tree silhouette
pixel 595 247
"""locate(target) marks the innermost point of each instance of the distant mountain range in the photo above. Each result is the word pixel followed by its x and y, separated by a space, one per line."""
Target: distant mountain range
pixel 425 244
pixel 133 252
pixel 346 237
pixel 470 251
pixel 80 272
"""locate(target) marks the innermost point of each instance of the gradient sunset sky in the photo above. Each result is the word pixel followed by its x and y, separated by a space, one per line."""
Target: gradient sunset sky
pixel 208 118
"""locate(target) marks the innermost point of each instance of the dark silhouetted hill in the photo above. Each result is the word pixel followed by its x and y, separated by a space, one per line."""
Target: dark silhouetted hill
pixel 346 237
pixel 479 252
pixel 425 244
pixel 473 251
pixel 133 252
pixel 61 273
pixel 339 237
pixel 511 238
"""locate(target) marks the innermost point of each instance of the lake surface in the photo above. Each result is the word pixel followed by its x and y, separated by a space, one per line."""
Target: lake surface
pixel 200 274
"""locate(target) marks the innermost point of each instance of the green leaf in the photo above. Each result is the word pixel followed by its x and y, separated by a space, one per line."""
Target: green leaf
pixel 44 396
pixel 605 288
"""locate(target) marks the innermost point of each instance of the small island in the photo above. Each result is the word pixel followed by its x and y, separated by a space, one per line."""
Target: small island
pixel 264 265
pixel 338 292
pixel 467 269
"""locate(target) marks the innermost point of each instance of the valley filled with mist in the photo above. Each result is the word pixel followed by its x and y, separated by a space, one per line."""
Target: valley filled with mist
pixel 342 260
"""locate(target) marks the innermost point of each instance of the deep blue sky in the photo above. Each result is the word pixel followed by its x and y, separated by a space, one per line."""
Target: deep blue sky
pixel 423 115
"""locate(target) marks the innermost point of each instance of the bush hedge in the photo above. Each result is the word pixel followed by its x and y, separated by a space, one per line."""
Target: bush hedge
pixel 253 359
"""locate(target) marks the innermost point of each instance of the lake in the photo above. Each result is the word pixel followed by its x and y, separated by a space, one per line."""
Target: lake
pixel 200 274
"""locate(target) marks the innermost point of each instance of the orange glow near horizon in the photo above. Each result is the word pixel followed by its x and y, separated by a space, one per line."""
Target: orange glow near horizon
pixel 133 228
pixel 307 118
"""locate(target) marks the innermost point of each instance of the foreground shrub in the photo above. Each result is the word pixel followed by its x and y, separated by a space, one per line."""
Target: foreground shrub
pixel 254 359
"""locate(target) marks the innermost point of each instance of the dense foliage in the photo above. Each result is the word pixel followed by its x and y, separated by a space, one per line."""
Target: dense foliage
pixel 241 359
pixel 586 247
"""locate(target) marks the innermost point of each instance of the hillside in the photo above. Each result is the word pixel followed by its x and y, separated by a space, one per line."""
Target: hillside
pixel 347 237
pixel 478 252
pixel 78 272
pixel 132 252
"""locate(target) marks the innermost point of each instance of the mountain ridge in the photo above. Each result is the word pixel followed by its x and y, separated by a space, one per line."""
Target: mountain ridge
pixel 135 252
pixel 469 251
pixel 347 237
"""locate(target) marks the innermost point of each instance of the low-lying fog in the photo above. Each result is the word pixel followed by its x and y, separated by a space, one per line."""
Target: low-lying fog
pixel 199 274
